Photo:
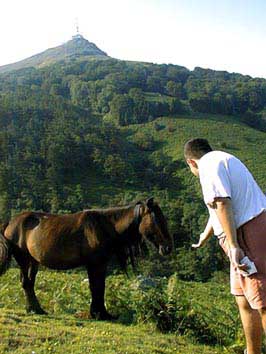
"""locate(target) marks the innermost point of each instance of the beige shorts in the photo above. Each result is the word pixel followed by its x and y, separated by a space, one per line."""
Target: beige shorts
pixel 252 239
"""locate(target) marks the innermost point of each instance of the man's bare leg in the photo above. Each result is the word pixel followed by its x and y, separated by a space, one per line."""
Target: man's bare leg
pixel 252 324
pixel 263 318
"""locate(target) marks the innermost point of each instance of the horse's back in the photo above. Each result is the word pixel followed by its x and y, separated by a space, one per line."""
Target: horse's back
pixel 61 241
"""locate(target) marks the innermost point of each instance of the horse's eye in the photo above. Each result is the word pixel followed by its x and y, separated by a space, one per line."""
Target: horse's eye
pixel 151 237
pixel 153 218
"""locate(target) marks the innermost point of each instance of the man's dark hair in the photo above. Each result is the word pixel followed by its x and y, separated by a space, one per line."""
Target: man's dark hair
pixel 196 148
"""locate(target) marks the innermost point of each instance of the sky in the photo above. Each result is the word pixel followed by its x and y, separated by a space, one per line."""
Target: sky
pixel 217 34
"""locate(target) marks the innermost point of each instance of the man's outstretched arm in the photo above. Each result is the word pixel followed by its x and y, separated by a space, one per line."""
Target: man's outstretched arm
pixel 204 236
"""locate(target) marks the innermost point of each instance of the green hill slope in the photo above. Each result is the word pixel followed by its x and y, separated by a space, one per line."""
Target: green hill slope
pixel 66 328
pixel 223 132
pixel 96 131
pixel 74 48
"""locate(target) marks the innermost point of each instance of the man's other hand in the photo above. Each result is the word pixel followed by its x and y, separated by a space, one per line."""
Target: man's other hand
pixel 201 242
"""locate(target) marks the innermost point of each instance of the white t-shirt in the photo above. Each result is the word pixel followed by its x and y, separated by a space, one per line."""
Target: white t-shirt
pixel 223 175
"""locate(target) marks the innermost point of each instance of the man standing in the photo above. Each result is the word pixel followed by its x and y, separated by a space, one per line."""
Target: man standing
pixel 237 216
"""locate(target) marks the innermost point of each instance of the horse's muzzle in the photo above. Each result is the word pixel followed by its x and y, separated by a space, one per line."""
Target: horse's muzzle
pixel 165 250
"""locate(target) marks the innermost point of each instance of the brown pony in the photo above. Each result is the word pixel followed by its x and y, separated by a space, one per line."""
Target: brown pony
pixel 88 238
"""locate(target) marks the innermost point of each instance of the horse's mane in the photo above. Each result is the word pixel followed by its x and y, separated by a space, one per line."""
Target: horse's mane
pixel 131 246
pixel 115 212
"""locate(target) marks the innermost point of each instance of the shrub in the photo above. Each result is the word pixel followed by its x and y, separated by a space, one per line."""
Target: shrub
pixel 173 306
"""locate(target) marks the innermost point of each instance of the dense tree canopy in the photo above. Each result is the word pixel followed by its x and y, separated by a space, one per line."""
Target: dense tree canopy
pixel 72 137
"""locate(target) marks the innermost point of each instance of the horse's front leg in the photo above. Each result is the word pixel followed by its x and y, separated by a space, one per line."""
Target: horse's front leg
pixel 96 275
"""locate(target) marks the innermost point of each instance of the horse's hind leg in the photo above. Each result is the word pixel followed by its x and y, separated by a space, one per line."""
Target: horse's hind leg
pixel 97 286
pixel 28 282
pixel 29 269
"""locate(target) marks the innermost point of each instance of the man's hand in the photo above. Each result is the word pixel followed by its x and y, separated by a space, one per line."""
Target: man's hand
pixel 235 255
pixel 224 211
pixel 202 240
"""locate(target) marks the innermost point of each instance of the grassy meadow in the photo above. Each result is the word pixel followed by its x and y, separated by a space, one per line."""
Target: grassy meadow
pixel 200 310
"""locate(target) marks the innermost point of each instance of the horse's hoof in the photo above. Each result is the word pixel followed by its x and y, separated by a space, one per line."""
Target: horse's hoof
pixel 41 312
pixel 108 317
pixel 38 311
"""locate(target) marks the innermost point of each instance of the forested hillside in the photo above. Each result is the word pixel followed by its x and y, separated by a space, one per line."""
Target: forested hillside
pixel 92 131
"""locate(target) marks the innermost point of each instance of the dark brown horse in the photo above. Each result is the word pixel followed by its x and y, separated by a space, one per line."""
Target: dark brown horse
pixel 88 238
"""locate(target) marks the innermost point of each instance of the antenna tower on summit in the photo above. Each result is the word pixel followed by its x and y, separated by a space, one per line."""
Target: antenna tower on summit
pixel 77 25
pixel 78 35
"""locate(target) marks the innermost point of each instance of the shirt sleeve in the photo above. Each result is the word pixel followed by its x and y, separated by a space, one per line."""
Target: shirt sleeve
pixel 215 183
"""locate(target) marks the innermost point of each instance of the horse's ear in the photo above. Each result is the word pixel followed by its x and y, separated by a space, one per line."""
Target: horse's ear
pixel 141 207
pixel 150 202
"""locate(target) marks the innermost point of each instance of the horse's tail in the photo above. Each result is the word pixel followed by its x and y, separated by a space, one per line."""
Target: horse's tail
pixel 5 254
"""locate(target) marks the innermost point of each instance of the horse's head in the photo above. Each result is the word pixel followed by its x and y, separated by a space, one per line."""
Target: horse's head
pixel 153 226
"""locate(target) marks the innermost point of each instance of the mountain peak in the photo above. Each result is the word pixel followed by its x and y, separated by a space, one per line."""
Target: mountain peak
pixel 78 46
pixel 78 36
